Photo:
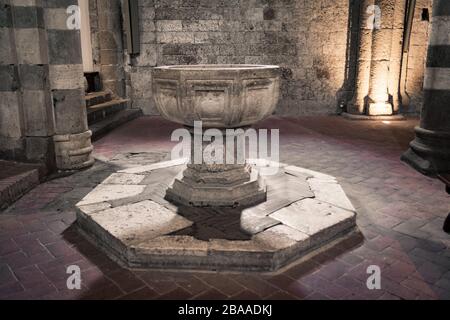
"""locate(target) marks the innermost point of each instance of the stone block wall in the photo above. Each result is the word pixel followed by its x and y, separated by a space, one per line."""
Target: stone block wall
pixel 307 38
pixel 107 43
pixel 417 55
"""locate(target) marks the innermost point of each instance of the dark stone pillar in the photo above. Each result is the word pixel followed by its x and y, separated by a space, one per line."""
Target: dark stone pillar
pixel 430 151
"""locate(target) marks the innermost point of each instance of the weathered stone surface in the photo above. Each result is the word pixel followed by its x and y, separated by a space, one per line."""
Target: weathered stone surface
pixel 6 51
pixel 330 192
pixel 10 78
pixel 314 217
pixel 34 77
pixel 10 115
pixel 136 223
pixel 39 120
pixel 31 46
pixel 124 179
pixel 283 237
pixel 155 166
pixel 222 96
pixel 69 109
pixel 64 47
pixel 73 151
pixel 88 209
pixel 55 18
pixel 173 245
pixel 66 77
pixel 254 224
pixel 107 192
pixel 303 171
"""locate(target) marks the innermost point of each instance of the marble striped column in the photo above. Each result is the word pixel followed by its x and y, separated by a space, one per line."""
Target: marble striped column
pixel 430 151
pixel 30 116
pixel 72 139
pixel 11 119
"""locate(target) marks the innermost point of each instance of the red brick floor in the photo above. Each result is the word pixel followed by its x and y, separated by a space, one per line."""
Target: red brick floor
pixel 400 214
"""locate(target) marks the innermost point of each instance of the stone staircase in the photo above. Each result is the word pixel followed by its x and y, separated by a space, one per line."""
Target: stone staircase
pixel 105 112
pixel 16 179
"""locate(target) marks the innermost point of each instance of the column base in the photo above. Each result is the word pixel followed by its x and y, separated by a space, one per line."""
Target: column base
pixel 429 153
pixel 73 151
pixel 394 117
pixel 447 224
pixel 238 186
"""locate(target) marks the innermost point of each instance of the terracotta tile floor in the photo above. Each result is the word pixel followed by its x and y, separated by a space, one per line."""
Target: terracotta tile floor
pixel 400 216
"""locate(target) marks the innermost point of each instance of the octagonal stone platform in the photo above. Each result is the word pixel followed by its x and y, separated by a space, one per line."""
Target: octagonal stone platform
pixel 128 217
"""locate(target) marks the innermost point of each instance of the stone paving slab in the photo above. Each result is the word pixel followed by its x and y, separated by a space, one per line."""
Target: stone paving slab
pixel 151 167
pixel 316 218
pixel 124 179
pixel 254 224
pixel 138 222
pixel 330 192
pixel 108 192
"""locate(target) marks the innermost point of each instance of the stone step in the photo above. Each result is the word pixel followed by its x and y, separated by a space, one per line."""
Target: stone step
pixel 104 110
pixel 16 179
pixel 96 98
pixel 106 105
pixel 100 128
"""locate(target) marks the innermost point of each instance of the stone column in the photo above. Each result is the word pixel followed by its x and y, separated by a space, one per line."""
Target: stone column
pixel 27 114
pixel 223 180
pixel 378 100
pixel 364 58
pixel 72 139
pixel 386 58
pixel 396 57
pixel 430 151
pixel 379 61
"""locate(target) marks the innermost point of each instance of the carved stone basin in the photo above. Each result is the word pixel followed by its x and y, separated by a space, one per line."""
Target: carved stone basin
pixel 222 96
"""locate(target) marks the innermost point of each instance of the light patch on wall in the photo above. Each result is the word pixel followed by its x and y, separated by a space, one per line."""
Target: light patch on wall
pixel 380 109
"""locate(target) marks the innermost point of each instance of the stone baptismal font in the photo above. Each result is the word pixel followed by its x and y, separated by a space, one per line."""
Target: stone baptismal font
pixel 152 216
pixel 220 97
